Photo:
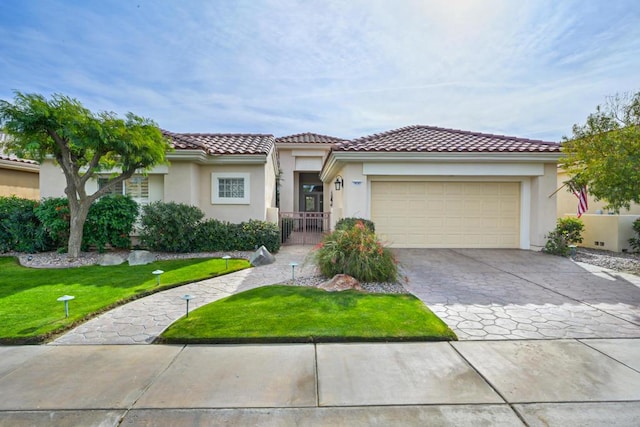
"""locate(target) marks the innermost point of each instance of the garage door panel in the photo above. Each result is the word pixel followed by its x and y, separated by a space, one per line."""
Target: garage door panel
pixel 447 214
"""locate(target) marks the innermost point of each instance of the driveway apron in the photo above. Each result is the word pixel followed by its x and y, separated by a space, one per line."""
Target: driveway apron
pixel 486 294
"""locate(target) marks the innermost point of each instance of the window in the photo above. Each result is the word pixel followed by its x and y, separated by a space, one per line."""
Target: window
pixel 230 188
pixel 136 187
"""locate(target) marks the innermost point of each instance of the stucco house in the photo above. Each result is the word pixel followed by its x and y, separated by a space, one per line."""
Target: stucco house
pixel 18 177
pixel 422 186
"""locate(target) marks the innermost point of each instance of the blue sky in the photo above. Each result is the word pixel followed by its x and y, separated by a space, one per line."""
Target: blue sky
pixel 344 68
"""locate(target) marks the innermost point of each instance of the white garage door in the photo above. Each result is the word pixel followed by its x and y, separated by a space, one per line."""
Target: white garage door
pixel 447 214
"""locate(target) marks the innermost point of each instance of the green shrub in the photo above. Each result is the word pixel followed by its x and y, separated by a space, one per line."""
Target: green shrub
pixel 256 233
pixel 20 229
pixel 110 222
pixel 357 252
pixel 215 235
pixel 173 227
pixel 170 227
pixel 54 216
pixel 568 231
pixel 635 241
pixel 349 223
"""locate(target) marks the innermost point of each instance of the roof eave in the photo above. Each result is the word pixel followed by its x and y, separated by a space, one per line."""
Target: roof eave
pixel 202 158
pixel 19 166
pixel 336 159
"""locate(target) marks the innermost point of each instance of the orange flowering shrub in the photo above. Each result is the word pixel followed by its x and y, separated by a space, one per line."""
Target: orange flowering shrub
pixel 356 251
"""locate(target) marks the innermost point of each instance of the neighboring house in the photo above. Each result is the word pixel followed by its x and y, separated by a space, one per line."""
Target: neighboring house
pixel 602 229
pixel 422 186
pixel 18 177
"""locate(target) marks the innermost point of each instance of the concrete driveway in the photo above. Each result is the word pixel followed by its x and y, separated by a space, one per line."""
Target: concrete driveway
pixel 485 294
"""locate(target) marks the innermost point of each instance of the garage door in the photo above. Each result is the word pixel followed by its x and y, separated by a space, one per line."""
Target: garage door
pixel 447 214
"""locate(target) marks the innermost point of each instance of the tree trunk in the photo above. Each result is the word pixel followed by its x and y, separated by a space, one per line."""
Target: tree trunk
pixel 78 212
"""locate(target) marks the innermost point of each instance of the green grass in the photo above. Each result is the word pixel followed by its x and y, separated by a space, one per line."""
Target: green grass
pixel 298 314
pixel 29 312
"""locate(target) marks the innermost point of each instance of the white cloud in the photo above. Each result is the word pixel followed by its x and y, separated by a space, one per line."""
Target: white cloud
pixel 529 68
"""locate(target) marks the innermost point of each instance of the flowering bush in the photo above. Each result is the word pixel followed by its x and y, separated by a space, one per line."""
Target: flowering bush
pixel 357 252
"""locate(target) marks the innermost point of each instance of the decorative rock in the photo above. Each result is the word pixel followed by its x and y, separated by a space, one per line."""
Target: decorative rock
pixel 262 257
pixel 141 258
pixel 110 259
pixel 340 282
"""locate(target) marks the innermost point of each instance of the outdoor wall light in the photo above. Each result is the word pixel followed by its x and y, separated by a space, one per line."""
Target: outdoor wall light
pixel 339 183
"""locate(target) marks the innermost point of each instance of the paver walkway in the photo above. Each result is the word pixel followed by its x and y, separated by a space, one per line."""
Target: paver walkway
pixel 141 321
pixel 485 294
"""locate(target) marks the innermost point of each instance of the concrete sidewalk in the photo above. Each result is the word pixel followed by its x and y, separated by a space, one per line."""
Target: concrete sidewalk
pixel 536 382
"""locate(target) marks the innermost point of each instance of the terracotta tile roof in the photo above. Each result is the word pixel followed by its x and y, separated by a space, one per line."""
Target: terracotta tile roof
pixel 311 138
pixel 222 143
pixel 12 158
pixel 435 139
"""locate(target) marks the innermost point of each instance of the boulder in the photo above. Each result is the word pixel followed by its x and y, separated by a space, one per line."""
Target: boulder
pixel 141 258
pixel 110 259
pixel 340 282
pixel 262 257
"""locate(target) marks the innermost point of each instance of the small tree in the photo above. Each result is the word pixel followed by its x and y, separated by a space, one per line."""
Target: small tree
pixel 604 153
pixel 83 144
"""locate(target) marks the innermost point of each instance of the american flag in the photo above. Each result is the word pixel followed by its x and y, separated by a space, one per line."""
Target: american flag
pixel 583 205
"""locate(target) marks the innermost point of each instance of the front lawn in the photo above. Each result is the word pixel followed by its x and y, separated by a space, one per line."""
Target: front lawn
pixel 299 314
pixel 29 311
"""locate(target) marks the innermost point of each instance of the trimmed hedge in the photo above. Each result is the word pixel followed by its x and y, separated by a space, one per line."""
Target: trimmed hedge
pixel 170 227
pixel 177 227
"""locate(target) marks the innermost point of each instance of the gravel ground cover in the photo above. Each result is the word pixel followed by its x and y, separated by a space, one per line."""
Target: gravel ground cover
pixel 619 261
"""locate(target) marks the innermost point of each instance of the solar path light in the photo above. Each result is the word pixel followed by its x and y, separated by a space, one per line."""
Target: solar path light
pixel 66 299
pixel 226 258
pixel 187 298
pixel 157 273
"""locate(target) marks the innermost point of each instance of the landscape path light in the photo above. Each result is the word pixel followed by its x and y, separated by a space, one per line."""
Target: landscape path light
pixel 187 298
pixel 226 258
pixel 66 299
pixel 293 270
pixel 157 273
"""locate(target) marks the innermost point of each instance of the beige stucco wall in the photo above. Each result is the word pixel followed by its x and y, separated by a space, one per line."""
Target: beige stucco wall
pixel 287 182
pixel 270 188
pixel 234 212
pixel 293 160
pixel 608 232
pixel 601 230
pixel 568 203
pixel 52 182
pixel 543 206
pixel 19 183
pixel 182 183
pixel 538 210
